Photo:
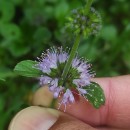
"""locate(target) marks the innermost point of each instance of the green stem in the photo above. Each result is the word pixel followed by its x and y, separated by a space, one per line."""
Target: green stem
pixel 71 57
pixel 53 103
pixel 88 5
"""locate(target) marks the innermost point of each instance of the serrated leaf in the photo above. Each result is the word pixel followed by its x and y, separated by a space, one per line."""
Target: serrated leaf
pixel 26 68
pixel 95 94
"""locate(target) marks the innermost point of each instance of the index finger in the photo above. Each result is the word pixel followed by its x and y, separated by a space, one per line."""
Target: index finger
pixel 115 112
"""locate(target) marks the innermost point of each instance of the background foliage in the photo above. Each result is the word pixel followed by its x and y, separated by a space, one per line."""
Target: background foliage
pixel 27 27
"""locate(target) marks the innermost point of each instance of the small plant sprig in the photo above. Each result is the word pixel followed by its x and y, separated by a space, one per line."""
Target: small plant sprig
pixel 64 71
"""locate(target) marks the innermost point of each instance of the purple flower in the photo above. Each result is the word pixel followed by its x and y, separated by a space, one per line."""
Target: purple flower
pixel 75 63
pixel 52 64
pixel 82 91
pixel 57 91
pixel 45 80
pixel 68 97
pixel 62 57
pixel 53 85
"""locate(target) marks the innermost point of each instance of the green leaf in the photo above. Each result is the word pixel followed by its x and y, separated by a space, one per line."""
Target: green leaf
pixel 7 11
pixel 5 72
pixel 61 10
pixel 95 95
pixel 42 34
pixel 109 32
pixel 10 31
pixel 126 54
pixel 26 68
pixel 1 79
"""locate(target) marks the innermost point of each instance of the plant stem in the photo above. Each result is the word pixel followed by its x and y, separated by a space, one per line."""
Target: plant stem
pixel 53 103
pixel 88 5
pixel 75 46
pixel 71 57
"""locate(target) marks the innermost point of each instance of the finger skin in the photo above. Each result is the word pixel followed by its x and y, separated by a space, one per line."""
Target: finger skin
pixel 115 112
pixel 42 97
pixel 34 118
pixel 66 122
pixel 37 118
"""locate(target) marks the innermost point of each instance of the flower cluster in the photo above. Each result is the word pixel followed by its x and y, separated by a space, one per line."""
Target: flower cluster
pixel 52 64
pixel 81 23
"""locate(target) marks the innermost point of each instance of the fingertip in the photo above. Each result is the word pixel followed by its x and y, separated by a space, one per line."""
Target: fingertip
pixel 37 118
pixel 34 118
pixel 42 97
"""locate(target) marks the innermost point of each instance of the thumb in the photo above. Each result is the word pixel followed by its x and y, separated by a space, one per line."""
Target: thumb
pixel 37 118
pixel 34 118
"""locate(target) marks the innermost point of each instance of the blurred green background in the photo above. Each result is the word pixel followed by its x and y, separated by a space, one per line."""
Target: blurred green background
pixel 27 27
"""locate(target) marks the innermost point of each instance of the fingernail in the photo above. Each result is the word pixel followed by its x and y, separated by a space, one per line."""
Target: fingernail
pixel 34 118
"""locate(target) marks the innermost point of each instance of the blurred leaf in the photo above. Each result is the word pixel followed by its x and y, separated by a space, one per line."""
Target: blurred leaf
pixel 126 54
pixel 95 94
pixel 87 50
pixel 127 29
pixel 61 9
pixel 5 73
pixel 1 79
pixel 18 49
pixel 35 16
pixel 2 104
pixel 109 32
pixel 10 31
pixel 52 1
pixel 49 11
pixel 6 10
pixel 27 68
pixel 42 34
pixel 17 2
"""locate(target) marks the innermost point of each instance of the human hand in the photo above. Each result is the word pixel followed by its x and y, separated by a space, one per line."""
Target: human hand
pixel 114 115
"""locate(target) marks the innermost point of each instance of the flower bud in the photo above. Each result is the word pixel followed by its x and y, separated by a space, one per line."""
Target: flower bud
pixel 81 23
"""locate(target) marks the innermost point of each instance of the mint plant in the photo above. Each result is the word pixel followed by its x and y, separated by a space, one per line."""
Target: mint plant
pixel 63 71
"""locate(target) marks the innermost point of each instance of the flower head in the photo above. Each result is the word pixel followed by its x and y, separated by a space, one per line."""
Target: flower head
pixel 64 72
pixel 52 64
pixel 81 23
